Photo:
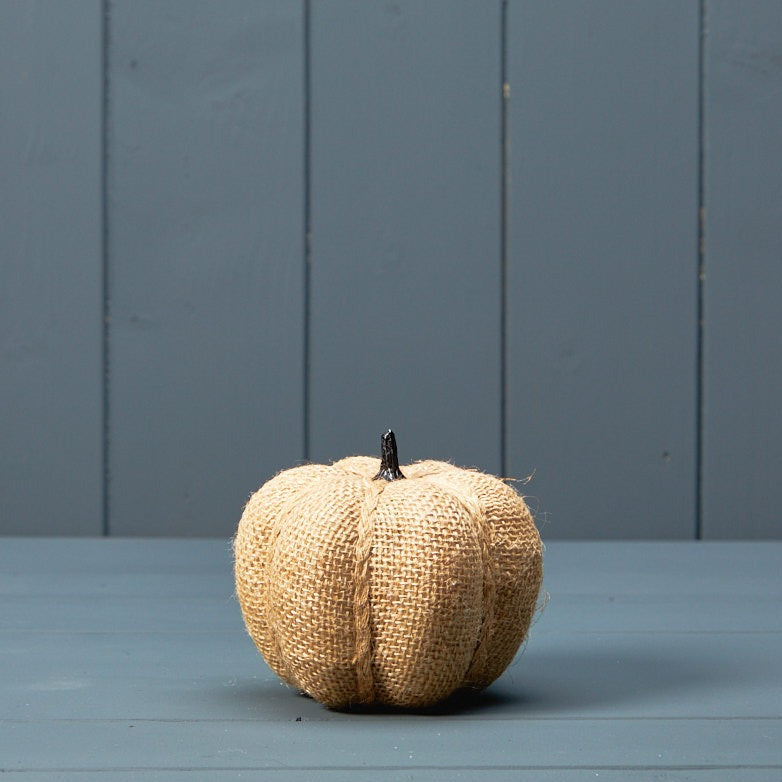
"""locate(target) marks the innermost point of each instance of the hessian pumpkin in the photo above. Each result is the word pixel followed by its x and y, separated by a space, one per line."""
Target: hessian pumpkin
pixel 361 584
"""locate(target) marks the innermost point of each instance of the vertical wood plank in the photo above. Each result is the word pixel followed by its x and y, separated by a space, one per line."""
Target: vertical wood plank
pixel 405 229
pixel 206 239
pixel 602 275
pixel 742 442
pixel 50 268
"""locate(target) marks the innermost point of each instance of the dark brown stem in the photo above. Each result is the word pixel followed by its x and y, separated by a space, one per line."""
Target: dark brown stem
pixel 389 460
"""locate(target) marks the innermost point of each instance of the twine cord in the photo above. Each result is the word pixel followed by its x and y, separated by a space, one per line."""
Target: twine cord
pixel 362 602
pixel 478 662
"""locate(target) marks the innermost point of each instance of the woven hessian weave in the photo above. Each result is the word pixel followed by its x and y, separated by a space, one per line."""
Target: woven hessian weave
pixel 358 590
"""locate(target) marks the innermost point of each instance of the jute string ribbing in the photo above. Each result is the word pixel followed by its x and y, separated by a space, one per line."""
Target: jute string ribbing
pixel 489 595
pixel 362 604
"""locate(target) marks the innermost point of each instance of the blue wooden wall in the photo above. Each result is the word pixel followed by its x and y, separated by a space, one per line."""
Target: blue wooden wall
pixel 538 238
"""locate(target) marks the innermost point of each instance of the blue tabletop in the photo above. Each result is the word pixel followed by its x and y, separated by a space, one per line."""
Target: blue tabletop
pixel 128 659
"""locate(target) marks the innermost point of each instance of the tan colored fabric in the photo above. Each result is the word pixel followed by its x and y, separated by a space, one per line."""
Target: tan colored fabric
pixel 360 591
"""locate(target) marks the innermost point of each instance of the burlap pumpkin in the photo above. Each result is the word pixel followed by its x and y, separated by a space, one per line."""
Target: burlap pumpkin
pixel 391 587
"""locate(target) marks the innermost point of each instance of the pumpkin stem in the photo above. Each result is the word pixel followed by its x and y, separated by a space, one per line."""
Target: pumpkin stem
pixel 389 460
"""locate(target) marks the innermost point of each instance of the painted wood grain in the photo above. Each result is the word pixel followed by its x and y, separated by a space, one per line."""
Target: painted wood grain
pixel 206 248
pixel 399 775
pixel 742 380
pixel 310 747
pixel 405 186
pixel 51 477
pixel 218 373
pixel 132 689
pixel 602 265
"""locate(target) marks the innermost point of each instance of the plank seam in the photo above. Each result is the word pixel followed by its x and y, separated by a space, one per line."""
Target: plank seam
pixel 105 314
pixel 405 768
pixel 359 719
pixel 307 229
pixel 701 270
pixel 504 228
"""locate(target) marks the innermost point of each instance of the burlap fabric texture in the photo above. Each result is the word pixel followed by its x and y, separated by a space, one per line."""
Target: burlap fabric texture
pixel 366 591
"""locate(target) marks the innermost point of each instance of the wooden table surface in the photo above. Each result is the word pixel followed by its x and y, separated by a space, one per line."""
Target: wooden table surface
pixel 128 659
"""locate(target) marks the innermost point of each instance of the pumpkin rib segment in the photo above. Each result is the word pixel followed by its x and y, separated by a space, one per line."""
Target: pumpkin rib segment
pixel 284 669
pixel 516 561
pixel 476 511
pixel 426 594
pixel 518 564
pixel 251 551
pixel 312 589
